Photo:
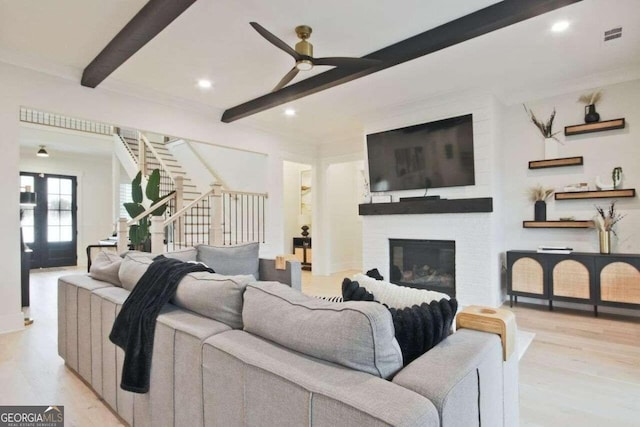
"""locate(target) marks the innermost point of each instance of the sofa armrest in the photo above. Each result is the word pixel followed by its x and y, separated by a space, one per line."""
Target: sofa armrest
pixel 291 276
pixel 463 377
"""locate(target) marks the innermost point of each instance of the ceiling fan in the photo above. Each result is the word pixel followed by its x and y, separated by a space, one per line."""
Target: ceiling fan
pixel 303 54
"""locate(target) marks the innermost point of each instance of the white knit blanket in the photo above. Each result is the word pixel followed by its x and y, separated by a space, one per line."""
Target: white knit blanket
pixel 397 296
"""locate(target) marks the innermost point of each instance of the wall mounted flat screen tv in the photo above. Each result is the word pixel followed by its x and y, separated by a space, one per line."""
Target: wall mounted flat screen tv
pixel 429 155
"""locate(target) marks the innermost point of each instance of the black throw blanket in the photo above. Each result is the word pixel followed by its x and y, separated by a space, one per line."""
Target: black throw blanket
pixel 134 328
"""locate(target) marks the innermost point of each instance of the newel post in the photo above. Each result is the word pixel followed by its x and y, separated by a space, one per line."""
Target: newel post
pixel 157 235
pixel 123 235
pixel 215 232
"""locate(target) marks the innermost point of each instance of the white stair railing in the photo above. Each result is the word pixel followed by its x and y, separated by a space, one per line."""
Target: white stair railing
pixel 218 217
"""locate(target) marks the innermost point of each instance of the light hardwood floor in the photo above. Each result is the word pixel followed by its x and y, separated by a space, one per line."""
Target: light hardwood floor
pixel 579 370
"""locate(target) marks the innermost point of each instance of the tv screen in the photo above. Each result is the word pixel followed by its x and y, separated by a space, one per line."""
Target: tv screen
pixel 429 155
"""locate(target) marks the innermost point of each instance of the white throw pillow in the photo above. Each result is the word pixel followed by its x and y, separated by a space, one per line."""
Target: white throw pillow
pixel 397 296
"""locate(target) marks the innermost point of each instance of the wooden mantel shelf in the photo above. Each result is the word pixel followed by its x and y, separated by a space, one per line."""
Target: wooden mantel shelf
pixel 483 204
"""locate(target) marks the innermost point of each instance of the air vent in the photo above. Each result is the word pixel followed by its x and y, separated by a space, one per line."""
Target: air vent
pixel 614 33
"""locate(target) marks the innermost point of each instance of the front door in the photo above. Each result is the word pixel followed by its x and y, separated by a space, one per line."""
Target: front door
pixel 50 228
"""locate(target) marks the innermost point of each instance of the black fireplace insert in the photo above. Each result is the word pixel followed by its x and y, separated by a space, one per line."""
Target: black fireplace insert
pixel 424 264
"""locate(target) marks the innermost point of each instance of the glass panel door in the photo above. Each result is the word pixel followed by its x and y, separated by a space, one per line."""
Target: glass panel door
pixel 50 228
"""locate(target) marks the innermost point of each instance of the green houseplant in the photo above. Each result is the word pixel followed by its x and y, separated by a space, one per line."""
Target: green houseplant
pixel 140 233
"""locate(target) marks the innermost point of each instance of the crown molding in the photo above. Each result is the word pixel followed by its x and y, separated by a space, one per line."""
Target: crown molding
pixel 547 89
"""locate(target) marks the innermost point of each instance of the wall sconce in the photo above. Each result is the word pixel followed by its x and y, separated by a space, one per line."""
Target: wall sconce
pixel 42 152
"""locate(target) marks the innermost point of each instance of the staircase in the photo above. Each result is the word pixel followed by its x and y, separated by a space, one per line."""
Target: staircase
pixel 218 216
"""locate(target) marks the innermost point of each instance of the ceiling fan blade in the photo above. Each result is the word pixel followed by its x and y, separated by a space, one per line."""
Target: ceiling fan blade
pixel 286 79
pixel 274 40
pixel 345 62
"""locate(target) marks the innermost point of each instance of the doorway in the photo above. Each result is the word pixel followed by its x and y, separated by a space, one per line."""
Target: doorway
pixel 298 227
pixel 50 228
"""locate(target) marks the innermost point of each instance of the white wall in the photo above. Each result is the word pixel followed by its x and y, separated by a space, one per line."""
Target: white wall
pixel 344 193
pixel 34 89
pixel 94 191
pixel 291 203
pixel 602 152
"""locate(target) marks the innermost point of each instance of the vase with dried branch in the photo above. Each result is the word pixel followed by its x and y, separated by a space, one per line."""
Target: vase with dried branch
pixel 546 130
pixel 590 100
pixel 604 222
pixel 539 195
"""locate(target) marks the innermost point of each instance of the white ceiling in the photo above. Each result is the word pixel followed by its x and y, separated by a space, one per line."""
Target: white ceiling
pixel 214 40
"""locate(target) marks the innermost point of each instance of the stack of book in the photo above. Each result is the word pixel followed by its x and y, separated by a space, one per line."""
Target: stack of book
pixel 554 250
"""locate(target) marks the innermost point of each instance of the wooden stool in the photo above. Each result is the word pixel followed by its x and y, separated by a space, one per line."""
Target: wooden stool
pixel 493 320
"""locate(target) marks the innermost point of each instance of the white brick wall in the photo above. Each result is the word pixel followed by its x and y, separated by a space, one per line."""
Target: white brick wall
pixel 477 264
pixel 477 235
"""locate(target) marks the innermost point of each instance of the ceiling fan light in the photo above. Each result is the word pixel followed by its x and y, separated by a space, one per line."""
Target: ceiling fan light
pixel 42 152
pixel 304 65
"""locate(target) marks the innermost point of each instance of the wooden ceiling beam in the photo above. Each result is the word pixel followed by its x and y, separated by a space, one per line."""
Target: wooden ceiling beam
pixel 154 17
pixel 475 24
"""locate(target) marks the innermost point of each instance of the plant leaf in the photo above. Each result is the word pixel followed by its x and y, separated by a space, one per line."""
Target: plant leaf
pixel 136 188
pixel 134 209
pixel 161 209
pixel 153 186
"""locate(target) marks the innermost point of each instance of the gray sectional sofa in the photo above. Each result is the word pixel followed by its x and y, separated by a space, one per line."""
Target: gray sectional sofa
pixel 284 364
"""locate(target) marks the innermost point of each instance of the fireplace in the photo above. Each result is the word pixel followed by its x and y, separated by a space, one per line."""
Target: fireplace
pixel 423 264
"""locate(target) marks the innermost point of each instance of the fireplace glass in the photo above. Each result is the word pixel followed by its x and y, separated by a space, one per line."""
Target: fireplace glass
pixel 424 264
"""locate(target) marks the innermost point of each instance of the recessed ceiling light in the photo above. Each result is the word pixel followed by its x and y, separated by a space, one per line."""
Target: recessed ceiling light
pixel 289 112
pixel 560 26
pixel 204 84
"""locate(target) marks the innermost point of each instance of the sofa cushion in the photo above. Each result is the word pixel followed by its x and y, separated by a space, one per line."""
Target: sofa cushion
pixel 358 335
pixel 186 254
pixel 213 295
pixel 231 260
pixel 135 263
pixel 133 267
pixel 106 267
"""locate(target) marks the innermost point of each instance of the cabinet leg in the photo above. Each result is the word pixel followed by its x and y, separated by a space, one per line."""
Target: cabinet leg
pixel 515 299
pixel 595 310
pixel 510 300
pixel 550 305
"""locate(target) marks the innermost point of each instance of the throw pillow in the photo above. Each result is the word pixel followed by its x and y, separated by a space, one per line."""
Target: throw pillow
pixel 397 296
pixel 375 274
pixel 352 291
pixel 232 260
pixel 420 328
pixel 106 267
pixel 420 325
pixel 213 295
pixel 133 266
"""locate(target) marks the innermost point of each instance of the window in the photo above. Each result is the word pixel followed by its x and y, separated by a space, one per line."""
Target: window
pixel 59 216
pixel 27 183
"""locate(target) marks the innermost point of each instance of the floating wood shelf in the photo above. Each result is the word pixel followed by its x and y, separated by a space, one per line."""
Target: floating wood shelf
pixel 484 204
pixel 557 224
pixel 594 127
pixel 606 194
pixel 556 163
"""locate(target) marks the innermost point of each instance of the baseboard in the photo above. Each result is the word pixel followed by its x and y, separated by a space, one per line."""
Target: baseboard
pixel 11 322
pixel 342 266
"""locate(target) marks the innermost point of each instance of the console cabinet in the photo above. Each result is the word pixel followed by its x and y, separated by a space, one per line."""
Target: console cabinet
pixel 583 277
pixel 302 251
